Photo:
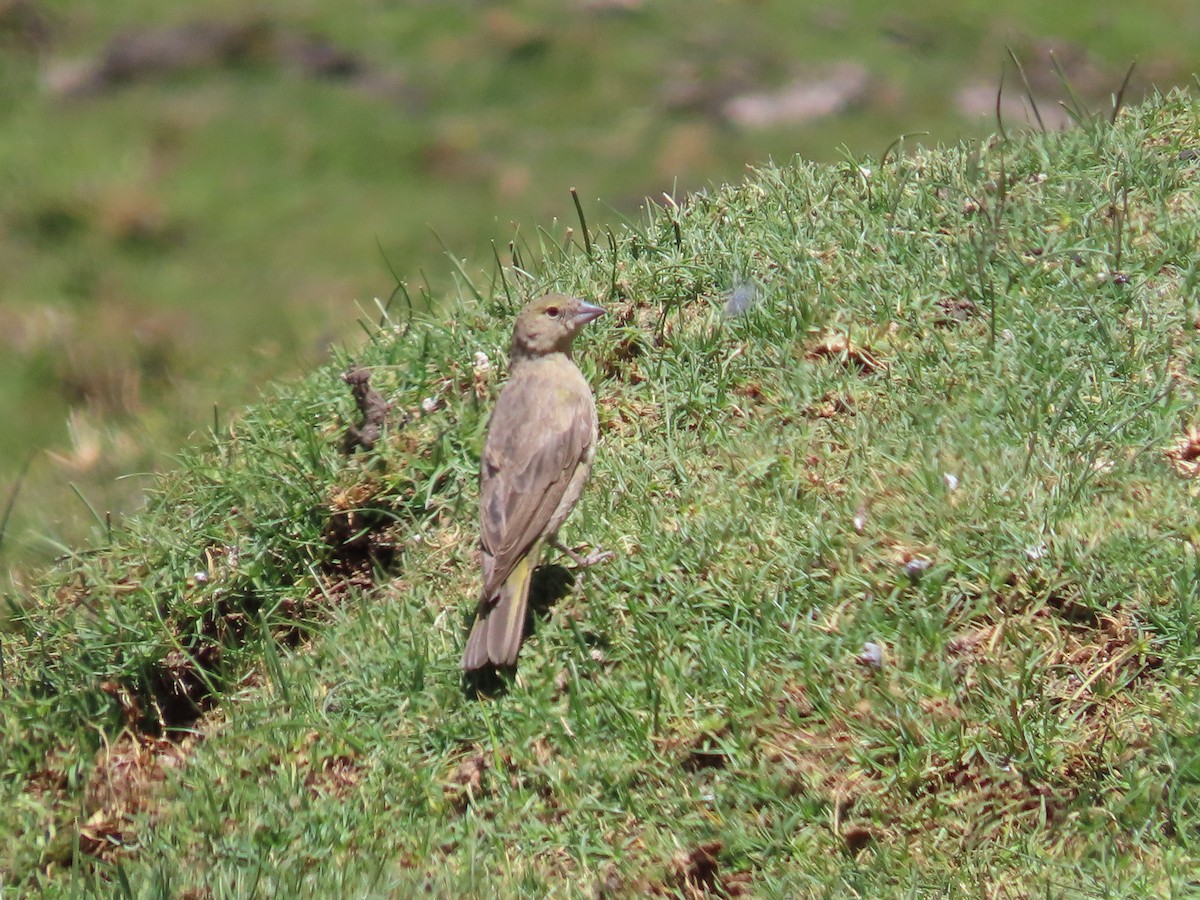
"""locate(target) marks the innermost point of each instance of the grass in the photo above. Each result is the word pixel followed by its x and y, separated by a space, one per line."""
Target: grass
pixel 171 244
pixel 905 597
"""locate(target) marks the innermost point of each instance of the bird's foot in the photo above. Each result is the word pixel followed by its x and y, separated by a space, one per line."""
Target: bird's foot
pixel 596 556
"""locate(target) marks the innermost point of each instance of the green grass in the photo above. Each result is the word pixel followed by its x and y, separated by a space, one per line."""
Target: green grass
pixel 170 245
pixel 696 714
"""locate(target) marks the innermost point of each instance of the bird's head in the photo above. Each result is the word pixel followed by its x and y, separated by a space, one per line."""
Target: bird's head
pixel 549 324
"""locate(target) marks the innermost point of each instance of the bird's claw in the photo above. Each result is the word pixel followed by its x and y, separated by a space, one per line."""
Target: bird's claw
pixel 596 556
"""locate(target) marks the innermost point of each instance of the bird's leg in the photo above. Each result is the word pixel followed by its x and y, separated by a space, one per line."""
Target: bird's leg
pixel 596 556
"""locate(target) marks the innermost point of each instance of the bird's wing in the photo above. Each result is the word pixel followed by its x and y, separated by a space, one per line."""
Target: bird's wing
pixel 539 434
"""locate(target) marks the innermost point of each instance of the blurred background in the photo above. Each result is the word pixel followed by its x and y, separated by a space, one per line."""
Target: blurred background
pixel 198 197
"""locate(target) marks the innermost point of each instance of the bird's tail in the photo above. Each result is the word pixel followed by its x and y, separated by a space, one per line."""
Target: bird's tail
pixel 496 636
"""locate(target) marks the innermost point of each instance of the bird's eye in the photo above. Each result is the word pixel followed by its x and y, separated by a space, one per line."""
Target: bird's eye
pixel 553 312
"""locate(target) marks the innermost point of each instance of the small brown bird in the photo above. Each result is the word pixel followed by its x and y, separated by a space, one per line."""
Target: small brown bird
pixel 540 442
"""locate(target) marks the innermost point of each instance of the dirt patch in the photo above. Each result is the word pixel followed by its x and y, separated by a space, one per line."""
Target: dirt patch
pixel 970 798
pixel 1184 454
pixel 978 801
pixel 621 362
pixel 839 348
pixel 24 26
pixel 817 759
pixel 122 790
pixel 184 684
pixel 707 750
pixel 832 405
pixel 857 838
pixel 824 94
pixel 360 535
pixel 471 780
pixel 625 416
pixel 954 311
pixel 140 55
pixel 698 872
pixel 337 776
pixel 1091 672
pixel 1092 668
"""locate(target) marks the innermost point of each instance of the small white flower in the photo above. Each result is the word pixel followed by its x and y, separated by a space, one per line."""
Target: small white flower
pixel 860 521
pixel 951 481
pixel 1036 552
pixel 915 568
pixel 871 656
pixel 430 405
pixel 482 363
pixel 201 578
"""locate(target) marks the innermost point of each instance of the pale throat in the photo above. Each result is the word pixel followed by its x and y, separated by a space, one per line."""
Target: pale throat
pixel 522 351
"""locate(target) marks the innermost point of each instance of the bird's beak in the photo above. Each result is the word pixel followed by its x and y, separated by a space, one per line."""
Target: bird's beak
pixel 587 312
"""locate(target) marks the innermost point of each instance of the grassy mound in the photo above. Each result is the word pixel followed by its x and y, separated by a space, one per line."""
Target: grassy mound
pixel 898 461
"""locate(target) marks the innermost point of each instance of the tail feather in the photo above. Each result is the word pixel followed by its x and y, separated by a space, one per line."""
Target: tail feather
pixel 496 636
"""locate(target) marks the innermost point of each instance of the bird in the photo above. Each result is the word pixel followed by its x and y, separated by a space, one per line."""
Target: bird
pixel 541 440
